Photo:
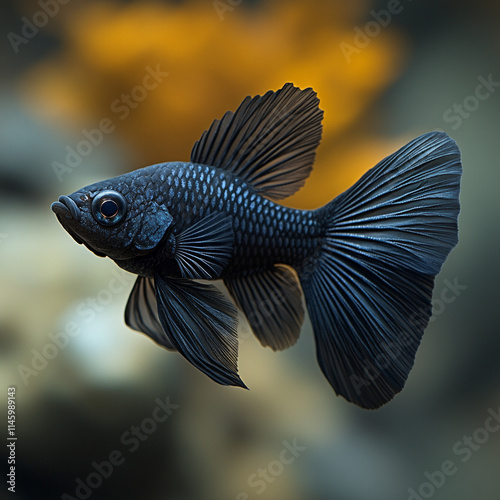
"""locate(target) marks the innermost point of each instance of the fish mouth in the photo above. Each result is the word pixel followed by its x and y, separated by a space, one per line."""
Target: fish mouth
pixel 67 210
pixel 66 206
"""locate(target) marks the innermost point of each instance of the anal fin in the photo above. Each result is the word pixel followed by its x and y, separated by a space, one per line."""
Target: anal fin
pixel 272 303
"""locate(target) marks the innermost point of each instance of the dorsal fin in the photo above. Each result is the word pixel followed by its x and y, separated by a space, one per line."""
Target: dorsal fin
pixel 270 141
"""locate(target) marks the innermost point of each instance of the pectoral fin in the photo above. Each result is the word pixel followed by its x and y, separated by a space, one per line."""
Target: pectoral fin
pixel 204 249
pixel 201 324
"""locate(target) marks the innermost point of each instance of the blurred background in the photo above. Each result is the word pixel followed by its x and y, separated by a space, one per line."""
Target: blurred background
pixel 104 413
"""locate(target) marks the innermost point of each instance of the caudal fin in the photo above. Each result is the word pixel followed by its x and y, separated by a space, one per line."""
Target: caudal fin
pixel 369 294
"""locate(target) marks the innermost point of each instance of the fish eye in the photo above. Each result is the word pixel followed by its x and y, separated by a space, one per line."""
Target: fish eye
pixel 109 208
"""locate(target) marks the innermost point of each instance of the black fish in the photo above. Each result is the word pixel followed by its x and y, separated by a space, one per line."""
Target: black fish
pixel 366 261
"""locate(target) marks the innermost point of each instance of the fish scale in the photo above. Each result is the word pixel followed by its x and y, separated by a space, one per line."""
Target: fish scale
pixel 265 232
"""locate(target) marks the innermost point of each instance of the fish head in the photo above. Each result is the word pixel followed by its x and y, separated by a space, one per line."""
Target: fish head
pixel 120 218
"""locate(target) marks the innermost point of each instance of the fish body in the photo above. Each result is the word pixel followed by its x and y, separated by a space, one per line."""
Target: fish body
pixel 263 232
pixel 365 262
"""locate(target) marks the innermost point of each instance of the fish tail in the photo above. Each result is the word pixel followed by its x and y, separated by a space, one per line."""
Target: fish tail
pixel 369 293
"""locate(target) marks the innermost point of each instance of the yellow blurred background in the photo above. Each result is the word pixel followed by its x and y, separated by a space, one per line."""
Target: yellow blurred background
pixel 384 72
